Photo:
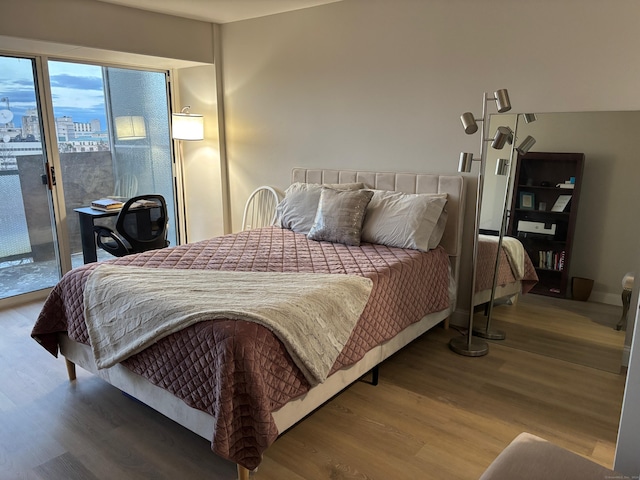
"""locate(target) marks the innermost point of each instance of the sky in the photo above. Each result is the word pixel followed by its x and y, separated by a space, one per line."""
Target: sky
pixel 77 89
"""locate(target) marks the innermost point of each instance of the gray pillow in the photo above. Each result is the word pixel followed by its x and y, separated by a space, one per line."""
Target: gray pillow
pixel 405 220
pixel 297 210
pixel 340 215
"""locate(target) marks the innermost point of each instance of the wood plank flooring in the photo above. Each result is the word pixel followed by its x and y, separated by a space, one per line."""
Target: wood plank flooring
pixel 578 332
pixel 434 415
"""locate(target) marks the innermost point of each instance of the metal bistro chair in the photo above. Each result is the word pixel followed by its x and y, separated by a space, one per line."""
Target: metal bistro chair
pixel 141 225
pixel 260 209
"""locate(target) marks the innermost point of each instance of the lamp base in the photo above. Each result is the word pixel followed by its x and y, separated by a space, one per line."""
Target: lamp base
pixel 460 345
pixel 491 334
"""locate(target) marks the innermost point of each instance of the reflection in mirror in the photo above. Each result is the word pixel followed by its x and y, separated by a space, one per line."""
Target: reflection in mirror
pixel 515 254
pixel 603 247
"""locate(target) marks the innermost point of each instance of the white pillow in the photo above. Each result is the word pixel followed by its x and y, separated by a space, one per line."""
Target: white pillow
pixel 405 220
pixel 297 210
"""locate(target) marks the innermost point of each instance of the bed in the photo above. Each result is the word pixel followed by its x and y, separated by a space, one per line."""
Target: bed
pixel 232 381
pixel 516 273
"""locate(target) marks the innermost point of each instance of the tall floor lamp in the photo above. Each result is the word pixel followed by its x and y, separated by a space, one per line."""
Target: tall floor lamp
pixel 468 345
pixel 504 167
pixel 190 127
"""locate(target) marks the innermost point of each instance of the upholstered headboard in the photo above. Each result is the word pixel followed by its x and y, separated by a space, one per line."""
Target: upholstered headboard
pixel 453 185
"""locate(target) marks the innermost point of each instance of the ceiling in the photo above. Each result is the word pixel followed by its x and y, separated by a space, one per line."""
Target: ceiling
pixel 220 11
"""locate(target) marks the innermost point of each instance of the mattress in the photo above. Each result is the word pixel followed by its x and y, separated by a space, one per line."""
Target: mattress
pixel 237 371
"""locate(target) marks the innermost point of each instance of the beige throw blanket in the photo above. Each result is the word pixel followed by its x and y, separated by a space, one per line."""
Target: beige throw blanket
pixel 514 251
pixel 128 309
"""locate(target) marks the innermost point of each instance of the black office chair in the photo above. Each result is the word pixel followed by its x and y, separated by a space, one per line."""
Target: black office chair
pixel 141 225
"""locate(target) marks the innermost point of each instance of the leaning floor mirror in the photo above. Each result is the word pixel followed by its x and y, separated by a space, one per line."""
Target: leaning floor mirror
pixel 602 245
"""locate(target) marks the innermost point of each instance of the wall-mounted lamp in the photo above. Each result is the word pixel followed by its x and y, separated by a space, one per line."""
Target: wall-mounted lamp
pixel 130 127
pixel 190 127
pixel 468 345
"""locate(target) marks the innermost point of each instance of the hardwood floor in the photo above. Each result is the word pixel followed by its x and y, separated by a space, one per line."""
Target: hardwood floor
pixel 578 332
pixel 434 415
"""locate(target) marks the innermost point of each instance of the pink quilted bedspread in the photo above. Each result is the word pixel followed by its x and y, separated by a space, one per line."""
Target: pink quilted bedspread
pixel 487 263
pixel 238 371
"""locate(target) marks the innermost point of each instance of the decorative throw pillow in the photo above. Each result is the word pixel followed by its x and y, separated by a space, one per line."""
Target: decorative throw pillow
pixel 340 215
pixel 297 210
pixel 406 220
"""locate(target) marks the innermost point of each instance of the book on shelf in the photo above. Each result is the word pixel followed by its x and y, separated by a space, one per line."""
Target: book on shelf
pixel 107 204
pixel 550 260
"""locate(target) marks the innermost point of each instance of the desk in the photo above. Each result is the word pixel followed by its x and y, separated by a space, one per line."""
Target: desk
pixel 87 215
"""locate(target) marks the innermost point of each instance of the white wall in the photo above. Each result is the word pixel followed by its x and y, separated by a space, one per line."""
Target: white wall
pixel 379 85
pixel 201 161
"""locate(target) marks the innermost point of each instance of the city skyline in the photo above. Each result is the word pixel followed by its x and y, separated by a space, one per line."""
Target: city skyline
pixel 76 89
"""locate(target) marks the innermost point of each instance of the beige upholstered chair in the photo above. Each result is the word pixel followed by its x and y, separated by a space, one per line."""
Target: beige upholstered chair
pixel 529 457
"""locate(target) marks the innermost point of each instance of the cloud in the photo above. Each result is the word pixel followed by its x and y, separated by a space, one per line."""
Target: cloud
pixel 76 82
pixel 18 97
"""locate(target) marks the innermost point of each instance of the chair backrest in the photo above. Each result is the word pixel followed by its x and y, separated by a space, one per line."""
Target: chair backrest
pixel 143 222
pixel 260 209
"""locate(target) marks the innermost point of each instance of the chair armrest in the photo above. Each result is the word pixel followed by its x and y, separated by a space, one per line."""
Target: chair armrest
pixel 119 247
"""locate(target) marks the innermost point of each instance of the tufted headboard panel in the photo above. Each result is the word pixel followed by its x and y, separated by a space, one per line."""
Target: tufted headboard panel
pixel 452 185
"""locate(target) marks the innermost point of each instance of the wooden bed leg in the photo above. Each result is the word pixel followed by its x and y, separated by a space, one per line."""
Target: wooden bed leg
pixel 445 323
pixel 243 473
pixel 71 369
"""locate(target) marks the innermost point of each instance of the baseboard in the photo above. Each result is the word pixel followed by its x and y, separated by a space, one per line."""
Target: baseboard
pixel 606 298
pixel 18 300
pixel 626 354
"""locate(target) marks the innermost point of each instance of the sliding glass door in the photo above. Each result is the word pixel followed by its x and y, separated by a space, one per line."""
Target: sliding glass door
pixel 28 253
pixel 110 138
pixel 112 128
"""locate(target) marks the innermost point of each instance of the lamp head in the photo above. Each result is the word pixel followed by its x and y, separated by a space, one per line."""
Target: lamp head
pixel 529 117
pixel 502 167
pixel 187 126
pixel 130 127
pixel 503 134
pixel 503 104
pixel 469 123
pixel 526 145
pixel 466 160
